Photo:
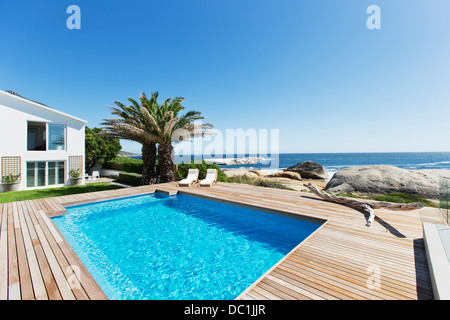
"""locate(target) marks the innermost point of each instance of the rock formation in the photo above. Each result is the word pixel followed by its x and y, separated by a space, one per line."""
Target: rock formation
pixel 286 174
pixel 386 179
pixel 310 170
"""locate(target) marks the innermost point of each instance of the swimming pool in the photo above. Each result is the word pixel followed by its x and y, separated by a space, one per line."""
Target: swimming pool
pixel 177 247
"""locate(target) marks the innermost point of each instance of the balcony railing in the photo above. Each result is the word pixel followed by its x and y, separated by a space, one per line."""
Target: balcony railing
pixel 444 197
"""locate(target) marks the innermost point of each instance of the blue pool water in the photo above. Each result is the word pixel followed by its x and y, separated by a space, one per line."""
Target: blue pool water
pixel 177 247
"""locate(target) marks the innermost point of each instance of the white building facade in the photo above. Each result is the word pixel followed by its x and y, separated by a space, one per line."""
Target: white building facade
pixel 39 142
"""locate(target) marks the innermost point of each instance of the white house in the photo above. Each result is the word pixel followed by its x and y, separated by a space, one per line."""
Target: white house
pixel 39 142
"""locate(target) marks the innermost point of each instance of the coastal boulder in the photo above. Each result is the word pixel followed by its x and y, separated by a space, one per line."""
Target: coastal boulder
pixel 385 179
pixel 310 170
pixel 286 174
pixel 231 161
pixel 240 172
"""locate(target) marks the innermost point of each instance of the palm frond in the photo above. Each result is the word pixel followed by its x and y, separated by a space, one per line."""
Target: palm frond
pixel 145 120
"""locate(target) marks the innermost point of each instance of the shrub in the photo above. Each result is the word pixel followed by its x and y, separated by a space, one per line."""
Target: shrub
pixel 400 197
pixel 99 149
pixel 75 173
pixel 131 178
pixel 183 169
pixel 125 164
pixel 258 182
pixel 11 178
pixel 396 197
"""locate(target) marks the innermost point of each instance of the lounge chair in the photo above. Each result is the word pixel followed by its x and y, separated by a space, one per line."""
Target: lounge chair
pixel 95 175
pixel 210 179
pixel 191 178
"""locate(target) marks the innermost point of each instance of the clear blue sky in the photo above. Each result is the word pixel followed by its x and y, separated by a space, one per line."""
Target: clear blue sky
pixel 310 68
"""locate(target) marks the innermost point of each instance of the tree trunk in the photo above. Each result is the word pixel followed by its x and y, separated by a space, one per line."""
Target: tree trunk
pixel 165 158
pixel 149 164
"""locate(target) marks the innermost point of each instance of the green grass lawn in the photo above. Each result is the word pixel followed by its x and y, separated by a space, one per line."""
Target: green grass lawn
pixel 396 197
pixel 54 192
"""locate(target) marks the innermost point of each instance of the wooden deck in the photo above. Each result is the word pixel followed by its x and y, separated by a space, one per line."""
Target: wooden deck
pixel 36 262
pixel 343 259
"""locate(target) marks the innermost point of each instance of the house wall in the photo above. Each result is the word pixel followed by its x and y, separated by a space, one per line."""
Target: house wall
pixel 14 116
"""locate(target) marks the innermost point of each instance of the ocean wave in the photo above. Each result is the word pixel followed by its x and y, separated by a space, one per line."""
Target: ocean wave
pixel 432 163
pixel 334 163
pixel 336 167
pixel 234 161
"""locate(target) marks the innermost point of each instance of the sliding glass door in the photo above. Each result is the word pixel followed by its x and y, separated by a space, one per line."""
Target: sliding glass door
pixel 56 172
pixel 35 174
pixel 42 173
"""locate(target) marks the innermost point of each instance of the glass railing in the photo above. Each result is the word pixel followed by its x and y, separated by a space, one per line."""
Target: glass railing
pixel 444 197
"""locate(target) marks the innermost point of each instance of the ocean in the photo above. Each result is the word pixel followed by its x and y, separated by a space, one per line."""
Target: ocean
pixel 334 162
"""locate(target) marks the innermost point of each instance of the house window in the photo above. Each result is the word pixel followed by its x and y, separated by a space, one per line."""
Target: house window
pixel 37 136
pixel 46 136
pixel 56 136
pixel 35 174
pixel 43 173
pixel 56 174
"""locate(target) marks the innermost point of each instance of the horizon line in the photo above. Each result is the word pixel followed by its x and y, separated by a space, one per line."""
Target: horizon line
pixel 348 152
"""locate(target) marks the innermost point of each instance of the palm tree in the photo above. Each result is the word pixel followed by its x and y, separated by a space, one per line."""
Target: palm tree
pixel 132 125
pixel 171 127
pixel 150 123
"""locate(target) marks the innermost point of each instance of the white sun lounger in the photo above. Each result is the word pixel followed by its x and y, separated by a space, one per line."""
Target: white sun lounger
pixel 191 178
pixel 95 175
pixel 210 179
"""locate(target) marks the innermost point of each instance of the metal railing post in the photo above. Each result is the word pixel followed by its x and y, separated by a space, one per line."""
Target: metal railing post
pixel 447 198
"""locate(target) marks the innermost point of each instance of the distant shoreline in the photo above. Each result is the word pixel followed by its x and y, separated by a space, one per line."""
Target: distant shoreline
pixel 333 162
pixel 128 154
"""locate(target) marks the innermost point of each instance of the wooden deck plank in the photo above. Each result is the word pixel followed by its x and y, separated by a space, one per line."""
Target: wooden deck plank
pixel 89 285
pixel 55 265
pixel 13 265
pixel 47 275
pixel 37 282
pixel 58 209
pixel 352 269
pixel 26 287
pixel 309 287
pixel 70 280
pixel 291 290
pixel 78 276
pixel 4 253
pixel 58 274
pixel 300 292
